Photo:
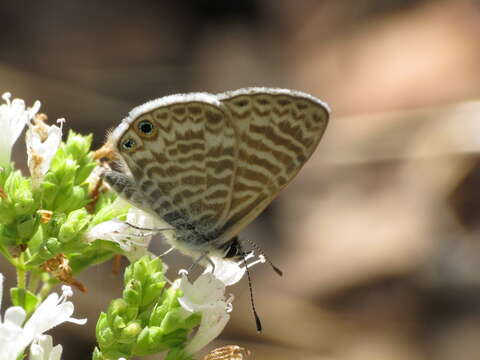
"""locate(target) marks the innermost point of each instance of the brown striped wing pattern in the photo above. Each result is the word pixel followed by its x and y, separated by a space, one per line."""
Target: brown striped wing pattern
pixel 209 164
pixel 186 164
pixel 276 133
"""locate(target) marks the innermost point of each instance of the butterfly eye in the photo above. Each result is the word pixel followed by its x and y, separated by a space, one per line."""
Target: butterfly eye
pixel 145 127
pixel 129 144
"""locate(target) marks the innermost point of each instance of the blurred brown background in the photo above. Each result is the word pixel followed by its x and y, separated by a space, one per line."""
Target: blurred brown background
pixel 379 235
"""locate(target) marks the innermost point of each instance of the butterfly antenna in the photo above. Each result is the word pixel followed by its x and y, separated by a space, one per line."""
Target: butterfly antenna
pixel 257 318
pixel 256 247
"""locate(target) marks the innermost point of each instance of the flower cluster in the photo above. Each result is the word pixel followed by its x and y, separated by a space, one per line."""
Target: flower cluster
pixel 152 317
pixel 43 221
pixel 147 319
pixel 46 216
pixel 16 333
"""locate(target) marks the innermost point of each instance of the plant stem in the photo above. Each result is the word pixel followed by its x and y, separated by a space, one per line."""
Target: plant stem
pixel 45 290
pixel 33 282
pixel 21 274
pixel 7 256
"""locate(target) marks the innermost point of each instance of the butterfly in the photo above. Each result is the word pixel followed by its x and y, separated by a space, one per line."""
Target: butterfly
pixel 207 165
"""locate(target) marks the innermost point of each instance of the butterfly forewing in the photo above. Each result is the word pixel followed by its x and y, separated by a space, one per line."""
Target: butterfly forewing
pixel 276 132
pixel 186 166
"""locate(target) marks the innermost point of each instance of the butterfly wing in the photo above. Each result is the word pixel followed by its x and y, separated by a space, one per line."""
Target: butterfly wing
pixel 277 130
pixel 185 165
pixel 212 163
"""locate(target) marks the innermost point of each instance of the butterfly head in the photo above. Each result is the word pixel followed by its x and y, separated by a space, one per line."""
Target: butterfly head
pixel 130 136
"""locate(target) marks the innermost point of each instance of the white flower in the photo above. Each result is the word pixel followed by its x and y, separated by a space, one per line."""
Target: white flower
pixel 230 272
pixel 207 296
pixel 54 310
pixel 42 144
pixel 42 349
pixel 13 118
pixel 134 241
pixel 11 330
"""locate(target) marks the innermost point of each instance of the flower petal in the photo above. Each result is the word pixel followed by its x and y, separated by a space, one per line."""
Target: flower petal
pixel 51 313
pixel 42 142
pixel 14 315
pixel 227 271
pixel 13 118
pixel 56 353
pixel 211 325
pixel 204 291
pixel 130 239
pixel 42 349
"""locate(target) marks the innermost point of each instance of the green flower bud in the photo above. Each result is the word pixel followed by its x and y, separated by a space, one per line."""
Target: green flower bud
pixel 131 331
pixel 19 200
pixel 97 355
pixel 145 276
pixel 78 145
pixel 65 172
pixel 148 319
pixel 73 228
pixel 7 213
pixel 169 303
pixel 52 246
pixel 72 198
pixel 24 204
pixel 48 249
pixel 49 191
pixel 133 293
pixel 36 240
pixel 118 322
pixel 57 186
pixel 105 335
pixel 137 271
pixel 172 321
pixel 5 171
pixel 176 338
pixel 150 341
pixel 85 170
pixel 27 226
pixel 117 306
pixel 152 291
pixel 145 270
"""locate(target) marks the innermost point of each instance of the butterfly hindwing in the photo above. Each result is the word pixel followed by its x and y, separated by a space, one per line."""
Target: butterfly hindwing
pixel 277 132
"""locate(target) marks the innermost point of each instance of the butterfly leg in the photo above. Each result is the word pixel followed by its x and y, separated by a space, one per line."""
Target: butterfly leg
pixel 198 260
pixel 148 229
pixel 212 264
pixel 167 252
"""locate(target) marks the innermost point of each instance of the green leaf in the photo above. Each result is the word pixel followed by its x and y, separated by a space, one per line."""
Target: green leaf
pixel 178 354
pixel 24 298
